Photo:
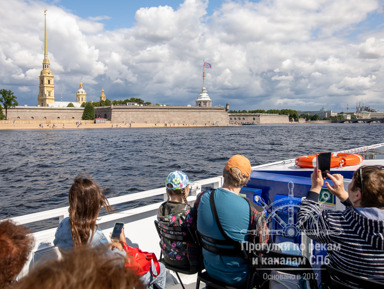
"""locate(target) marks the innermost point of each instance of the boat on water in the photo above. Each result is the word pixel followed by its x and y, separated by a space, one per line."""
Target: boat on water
pixel 278 187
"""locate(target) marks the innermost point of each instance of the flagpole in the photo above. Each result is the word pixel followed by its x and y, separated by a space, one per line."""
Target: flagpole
pixel 203 72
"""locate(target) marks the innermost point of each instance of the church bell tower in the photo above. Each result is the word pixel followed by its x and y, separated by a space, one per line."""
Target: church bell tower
pixel 46 88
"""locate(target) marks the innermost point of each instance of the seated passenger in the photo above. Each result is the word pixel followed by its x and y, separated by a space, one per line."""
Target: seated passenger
pixel 355 236
pixel 176 212
pixel 85 201
pixel 236 216
pixel 16 243
pixel 85 268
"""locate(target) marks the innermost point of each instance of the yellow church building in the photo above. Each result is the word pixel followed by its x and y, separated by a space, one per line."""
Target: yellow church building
pixel 47 87
pixel 46 97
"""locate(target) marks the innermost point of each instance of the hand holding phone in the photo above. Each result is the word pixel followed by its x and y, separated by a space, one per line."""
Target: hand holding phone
pixel 117 231
pixel 324 163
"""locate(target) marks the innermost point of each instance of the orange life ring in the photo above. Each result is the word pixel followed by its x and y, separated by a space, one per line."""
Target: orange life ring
pixel 337 160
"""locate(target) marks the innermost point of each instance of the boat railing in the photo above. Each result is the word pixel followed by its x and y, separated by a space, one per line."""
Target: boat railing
pixel 139 226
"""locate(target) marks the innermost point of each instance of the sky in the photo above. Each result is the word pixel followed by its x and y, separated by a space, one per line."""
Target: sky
pixel 266 54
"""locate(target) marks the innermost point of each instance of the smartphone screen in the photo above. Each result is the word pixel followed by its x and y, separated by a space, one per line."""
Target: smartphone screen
pixel 324 163
pixel 117 231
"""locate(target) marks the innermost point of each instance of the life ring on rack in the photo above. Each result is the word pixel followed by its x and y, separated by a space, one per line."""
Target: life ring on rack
pixel 337 160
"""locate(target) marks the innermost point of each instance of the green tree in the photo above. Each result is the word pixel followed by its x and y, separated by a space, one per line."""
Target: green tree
pixel 2 116
pixel 83 104
pixel 89 112
pixel 8 99
pixel 107 102
pixel 70 105
pixel 315 117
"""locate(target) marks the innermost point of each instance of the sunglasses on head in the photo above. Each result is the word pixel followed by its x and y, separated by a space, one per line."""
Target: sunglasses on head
pixel 361 173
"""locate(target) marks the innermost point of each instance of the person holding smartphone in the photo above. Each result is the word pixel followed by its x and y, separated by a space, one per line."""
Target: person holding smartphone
pixel 85 201
pixel 355 236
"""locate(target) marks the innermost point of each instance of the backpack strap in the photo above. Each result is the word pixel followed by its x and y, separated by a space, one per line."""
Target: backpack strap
pixel 214 211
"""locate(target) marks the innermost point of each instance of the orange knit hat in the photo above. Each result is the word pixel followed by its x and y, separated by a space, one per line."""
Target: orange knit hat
pixel 240 162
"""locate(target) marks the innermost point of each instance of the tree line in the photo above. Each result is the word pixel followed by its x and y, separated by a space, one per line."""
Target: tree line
pixel 89 107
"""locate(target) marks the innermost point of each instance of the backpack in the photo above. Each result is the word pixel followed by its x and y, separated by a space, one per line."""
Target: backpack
pixel 139 261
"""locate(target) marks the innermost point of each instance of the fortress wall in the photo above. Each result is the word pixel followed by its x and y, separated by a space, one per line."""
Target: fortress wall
pixel 274 119
pixel 29 113
pixel 181 115
pixel 103 112
pixel 259 118
pixel 158 115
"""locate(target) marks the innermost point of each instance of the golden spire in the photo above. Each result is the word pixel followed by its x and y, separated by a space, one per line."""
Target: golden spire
pixel 45 35
pixel 46 60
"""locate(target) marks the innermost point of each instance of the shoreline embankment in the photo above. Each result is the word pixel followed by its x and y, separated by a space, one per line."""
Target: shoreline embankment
pixel 44 124
pixel 83 124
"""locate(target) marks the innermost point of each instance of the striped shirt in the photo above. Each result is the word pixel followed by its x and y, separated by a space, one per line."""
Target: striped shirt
pixel 355 243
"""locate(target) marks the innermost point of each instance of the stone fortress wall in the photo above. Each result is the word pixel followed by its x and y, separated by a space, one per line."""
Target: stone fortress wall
pixel 257 118
pixel 44 113
pixel 181 115
pixel 164 115
pixel 155 115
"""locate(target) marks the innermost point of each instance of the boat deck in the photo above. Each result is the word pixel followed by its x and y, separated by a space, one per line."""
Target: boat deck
pixel 283 178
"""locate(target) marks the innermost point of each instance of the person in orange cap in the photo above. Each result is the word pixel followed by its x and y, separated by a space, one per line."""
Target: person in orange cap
pixel 236 215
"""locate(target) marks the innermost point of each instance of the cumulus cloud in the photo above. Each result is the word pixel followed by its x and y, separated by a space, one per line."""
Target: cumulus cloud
pixel 299 54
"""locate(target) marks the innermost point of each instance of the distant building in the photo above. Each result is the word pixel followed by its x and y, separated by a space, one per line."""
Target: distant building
pixel 102 95
pixel 46 95
pixel 81 94
pixel 322 113
pixel 62 104
pixel 360 108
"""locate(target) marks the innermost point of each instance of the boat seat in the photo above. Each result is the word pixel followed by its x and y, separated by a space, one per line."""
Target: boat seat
pixel 43 255
pixel 177 234
pixel 224 248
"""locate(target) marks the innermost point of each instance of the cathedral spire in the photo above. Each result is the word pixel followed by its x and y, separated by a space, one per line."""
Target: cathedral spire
pixel 46 60
pixel 46 95
pixel 45 35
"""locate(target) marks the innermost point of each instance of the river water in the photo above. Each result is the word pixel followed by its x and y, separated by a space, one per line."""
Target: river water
pixel 37 167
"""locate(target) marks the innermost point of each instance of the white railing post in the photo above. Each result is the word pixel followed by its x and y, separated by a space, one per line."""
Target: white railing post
pixel 195 190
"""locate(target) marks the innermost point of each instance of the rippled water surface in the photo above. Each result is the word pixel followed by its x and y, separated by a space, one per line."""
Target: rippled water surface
pixel 37 167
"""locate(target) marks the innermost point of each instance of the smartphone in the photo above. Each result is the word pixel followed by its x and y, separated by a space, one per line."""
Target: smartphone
pixel 117 231
pixel 324 163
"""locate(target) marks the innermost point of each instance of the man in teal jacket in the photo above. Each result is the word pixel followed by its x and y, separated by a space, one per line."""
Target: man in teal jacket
pixel 236 216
